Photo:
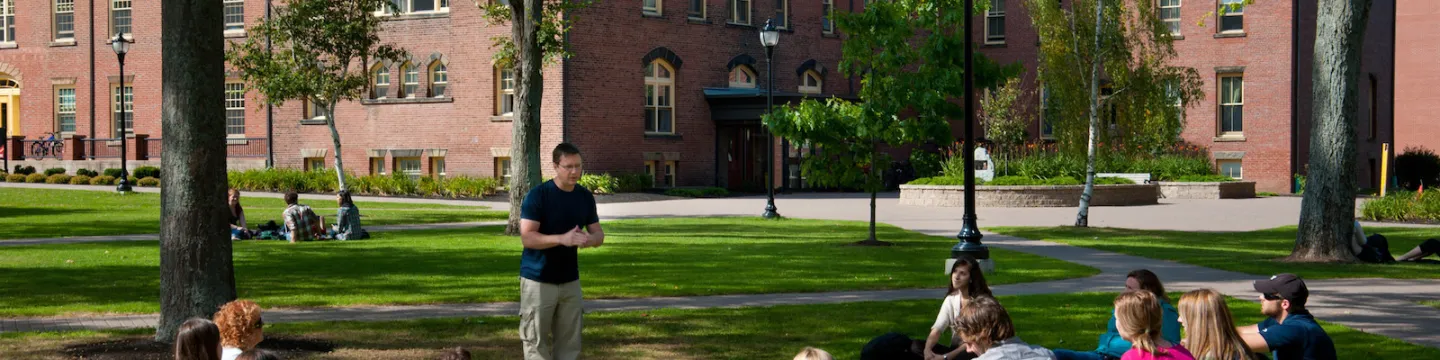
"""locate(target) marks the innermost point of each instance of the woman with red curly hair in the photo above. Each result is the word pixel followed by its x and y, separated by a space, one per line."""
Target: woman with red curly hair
pixel 240 328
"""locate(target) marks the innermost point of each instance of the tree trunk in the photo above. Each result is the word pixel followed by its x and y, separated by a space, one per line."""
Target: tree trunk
pixel 1083 218
pixel 335 137
pixel 197 275
pixel 525 136
pixel 873 240
pixel 1327 212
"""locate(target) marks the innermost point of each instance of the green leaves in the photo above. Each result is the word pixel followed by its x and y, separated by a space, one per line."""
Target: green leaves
pixel 552 26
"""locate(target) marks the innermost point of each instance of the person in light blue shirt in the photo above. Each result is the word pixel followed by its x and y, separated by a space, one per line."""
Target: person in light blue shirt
pixel 1112 346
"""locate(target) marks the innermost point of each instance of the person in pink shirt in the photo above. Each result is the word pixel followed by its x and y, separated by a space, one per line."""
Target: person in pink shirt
pixel 1139 319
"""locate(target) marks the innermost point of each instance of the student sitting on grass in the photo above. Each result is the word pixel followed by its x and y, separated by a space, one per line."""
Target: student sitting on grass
pixel 240 328
pixel 347 220
pixel 197 339
pixel 258 354
pixel 301 223
pixel 1112 345
pixel 1138 316
pixel 1209 329
pixel 1375 249
pixel 986 329
pixel 966 282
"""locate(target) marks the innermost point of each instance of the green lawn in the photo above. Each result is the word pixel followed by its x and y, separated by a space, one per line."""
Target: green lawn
pixel 42 213
pixel 640 258
pixel 1054 321
pixel 1431 303
pixel 1255 252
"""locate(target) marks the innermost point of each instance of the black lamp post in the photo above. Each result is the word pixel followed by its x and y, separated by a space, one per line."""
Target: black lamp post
pixel 969 235
pixel 122 46
pixel 769 37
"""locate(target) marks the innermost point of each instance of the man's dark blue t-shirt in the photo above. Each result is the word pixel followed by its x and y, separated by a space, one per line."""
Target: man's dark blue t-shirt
pixel 1299 338
pixel 558 212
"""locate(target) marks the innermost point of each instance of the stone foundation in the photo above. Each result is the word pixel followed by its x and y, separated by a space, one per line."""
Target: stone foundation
pixel 1029 196
pixel 1207 190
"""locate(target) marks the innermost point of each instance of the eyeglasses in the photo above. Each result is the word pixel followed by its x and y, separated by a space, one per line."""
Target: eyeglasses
pixel 260 324
pixel 1273 297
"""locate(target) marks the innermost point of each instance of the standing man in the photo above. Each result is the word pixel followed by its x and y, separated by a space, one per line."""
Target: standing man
pixel 1290 333
pixel 557 218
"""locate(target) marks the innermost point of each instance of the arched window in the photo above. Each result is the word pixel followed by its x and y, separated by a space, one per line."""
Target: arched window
pixel 659 97
pixel 811 83
pixel 411 80
pixel 382 82
pixel 742 77
pixel 439 79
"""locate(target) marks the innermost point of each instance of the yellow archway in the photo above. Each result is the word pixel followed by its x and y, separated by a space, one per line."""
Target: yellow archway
pixel 10 102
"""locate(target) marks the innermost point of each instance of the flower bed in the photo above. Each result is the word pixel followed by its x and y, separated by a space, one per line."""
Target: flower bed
pixel 1029 196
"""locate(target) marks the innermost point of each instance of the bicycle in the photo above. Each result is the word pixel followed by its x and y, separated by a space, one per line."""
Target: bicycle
pixel 47 147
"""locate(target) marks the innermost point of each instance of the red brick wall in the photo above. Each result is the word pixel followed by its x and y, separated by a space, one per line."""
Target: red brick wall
pixel 1417 104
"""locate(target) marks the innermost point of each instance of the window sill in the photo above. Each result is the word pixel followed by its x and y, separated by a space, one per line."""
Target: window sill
pixel 9 45
pixel 1230 138
pixel 236 140
pixel 1237 34
pixel 695 20
pixel 502 118
pixel 651 15
pixel 735 24
pixel 60 43
pixel 416 16
pixel 663 136
pixel 830 35
pixel 389 101
pixel 128 37
pixel 1177 37
pixel 235 33
pixel 989 44
pixel 313 122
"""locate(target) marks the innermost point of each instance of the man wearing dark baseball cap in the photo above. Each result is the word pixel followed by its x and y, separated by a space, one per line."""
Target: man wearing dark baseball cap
pixel 1290 333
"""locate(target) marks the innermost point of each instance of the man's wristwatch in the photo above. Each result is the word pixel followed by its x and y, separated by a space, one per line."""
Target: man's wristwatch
pixel 945 356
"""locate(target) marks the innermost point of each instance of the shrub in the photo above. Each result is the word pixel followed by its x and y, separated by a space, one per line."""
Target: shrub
pixel 134 181
pixel 53 171
pixel 1021 180
pixel 15 178
pixel 941 180
pixel 633 182
pixel 35 178
pixel 1299 184
pixel 57 179
pixel 925 163
pixel 427 186
pixel 698 193
pixel 147 171
pixel 103 180
pixel 149 182
pixel 1113 181
pixel 1417 166
pixel 112 172
pixel 471 187
pixel 87 173
pixel 1203 178
pixel 599 183
pixel 80 180
pixel 24 170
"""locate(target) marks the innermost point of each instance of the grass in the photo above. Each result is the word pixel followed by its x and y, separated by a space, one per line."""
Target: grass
pixel 1054 321
pixel 42 213
pixel 1431 303
pixel 1254 252
pixel 640 258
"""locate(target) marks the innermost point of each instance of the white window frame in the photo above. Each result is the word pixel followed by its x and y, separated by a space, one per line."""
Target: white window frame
pixel 1239 165
pixel 736 7
pixel 63 8
pixel 742 70
pixel 659 88
pixel 1222 102
pixel 1220 18
pixel 827 17
pixel 315 111
pixel 805 78
pixel 995 13
pixel 652 7
pixel 315 164
pixel 439 79
pixel 502 170
pixel 380 88
pixel 1173 22
pixel 116 6
pixel 7 22
pixel 505 91
pixel 690 10
pixel 782 13
pixel 410 80
pixel 402 166
pixel 125 106
pixel 408 7
pixel 235 8
pixel 234 109
pixel 64 109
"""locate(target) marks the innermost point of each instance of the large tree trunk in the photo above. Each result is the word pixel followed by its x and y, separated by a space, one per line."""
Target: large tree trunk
pixel 196 270
pixel 335 137
pixel 525 136
pixel 1327 212
pixel 1083 218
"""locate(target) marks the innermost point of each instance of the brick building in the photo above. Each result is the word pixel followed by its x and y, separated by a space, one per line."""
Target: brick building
pixel 1417 68
pixel 1259 59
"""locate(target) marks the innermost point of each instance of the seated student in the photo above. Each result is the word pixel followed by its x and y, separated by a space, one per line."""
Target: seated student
pixel 1376 248
pixel 1289 332
pixel 455 353
pixel 1209 329
pixel 237 217
pixel 810 353
pixel 347 220
pixel 985 327
pixel 258 354
pixel 301 223
pixel 1138 316
pixel 197 339
pixel 966 282
pixel 241 328
pixel 1112 345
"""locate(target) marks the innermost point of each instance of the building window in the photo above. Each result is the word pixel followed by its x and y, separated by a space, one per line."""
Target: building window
pixel 502 170
pixel 315 164
pixel 659 96
pixel 382 82
pixel 314 111
pixel 420 6
pixel 1170 14
pixel 123 106
pixel 1047 131
pixel 1232 105
pixel 1374 109
pixel 64 20
pixel 235 109
pixel 1232 15
pixel 234 15
pixel 742 77
pixel 827 16
pixel 437 168
pixel 377 166
pixel 697 10
pixel 782 14
pixel 811 83
pixel 669 179
pixel 995 23
pixel 505 92
pixel 409 167
pixel 651 7
pixel 1231 168
pixel 119 17
pixel 411 80
pixel 740 12
pixel 439 79
pixel 650 170
pixel 7 21
pixel 65 109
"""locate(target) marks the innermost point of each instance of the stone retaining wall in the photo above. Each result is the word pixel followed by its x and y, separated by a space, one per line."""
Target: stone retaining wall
pixel 1028 196
pixel 1207 190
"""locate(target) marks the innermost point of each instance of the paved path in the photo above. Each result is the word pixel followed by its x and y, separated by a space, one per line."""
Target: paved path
pixel 1382 306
